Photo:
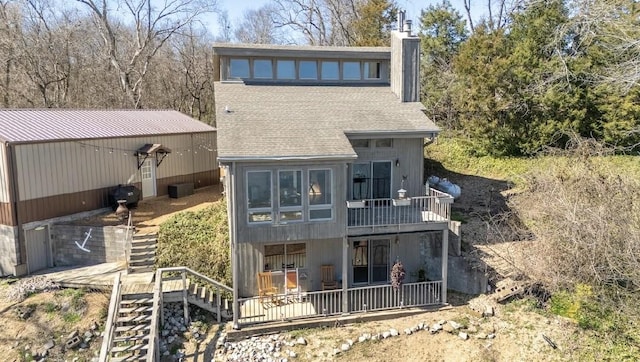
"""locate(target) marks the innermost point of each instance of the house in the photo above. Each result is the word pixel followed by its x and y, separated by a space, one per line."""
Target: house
pixel 316 143
pixel 57 163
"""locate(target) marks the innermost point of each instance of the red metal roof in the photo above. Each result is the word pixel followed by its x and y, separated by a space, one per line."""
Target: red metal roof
pixel 39 125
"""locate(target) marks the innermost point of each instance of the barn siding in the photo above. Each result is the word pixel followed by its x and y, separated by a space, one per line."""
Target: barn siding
pixel 293 231
pixel 57 168
pixel 4 175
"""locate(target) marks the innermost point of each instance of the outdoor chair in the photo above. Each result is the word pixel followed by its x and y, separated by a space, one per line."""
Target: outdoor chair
pixel 328 281
pixel 292 287
pixel 266 288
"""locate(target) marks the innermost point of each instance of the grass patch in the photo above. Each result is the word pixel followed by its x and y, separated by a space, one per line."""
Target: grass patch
pixel 71 317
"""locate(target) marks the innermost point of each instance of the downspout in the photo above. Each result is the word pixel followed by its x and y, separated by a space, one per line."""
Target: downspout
pixel 193 164
pixel 231 206
pixel 15 193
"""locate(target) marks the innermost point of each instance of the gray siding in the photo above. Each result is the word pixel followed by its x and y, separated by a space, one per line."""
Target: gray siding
pixel 405 66
pixel 409 154
pixel 8 250
pixel 318 253
pixel 4 174
pixel 48 169
pixel 271 232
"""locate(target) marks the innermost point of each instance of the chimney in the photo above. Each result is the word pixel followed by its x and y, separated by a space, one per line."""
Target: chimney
pixel 405 61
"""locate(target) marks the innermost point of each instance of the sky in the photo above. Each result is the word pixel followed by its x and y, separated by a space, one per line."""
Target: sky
pixel 236 8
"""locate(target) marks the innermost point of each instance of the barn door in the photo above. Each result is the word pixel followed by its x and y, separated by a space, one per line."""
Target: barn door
pixel 37 241
pixel 148 178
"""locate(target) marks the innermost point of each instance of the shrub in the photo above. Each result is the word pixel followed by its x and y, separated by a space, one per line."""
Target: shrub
pixel 198 240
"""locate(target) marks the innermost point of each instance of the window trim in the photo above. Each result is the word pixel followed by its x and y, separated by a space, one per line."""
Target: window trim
pixel 259 209
pixel 330 206
pixel 299 208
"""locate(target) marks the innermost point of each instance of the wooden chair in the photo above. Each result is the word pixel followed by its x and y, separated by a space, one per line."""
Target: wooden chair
pixel 328 281
pixel 292 288
pixel 265 287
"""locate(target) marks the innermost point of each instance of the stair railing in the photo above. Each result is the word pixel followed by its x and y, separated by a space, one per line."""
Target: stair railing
pixel 185 272
pixel 127 243
pixel 114 304
pixel 154 341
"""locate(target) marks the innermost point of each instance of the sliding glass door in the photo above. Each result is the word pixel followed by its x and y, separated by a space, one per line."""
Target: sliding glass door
pixel 371 180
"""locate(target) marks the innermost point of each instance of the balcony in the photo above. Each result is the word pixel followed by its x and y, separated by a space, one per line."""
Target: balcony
pixel 431 212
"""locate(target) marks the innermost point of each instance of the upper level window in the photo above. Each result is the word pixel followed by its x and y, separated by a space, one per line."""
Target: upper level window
pixel 320 195
pixel 239 68
pixel 384 143
pixel 330 70
pixel 286 69
pixel 262 69
pixel 372 70
pixel 290 191
pixel 259 196
pixel 360 143
pixel 308 69
pixel 351 70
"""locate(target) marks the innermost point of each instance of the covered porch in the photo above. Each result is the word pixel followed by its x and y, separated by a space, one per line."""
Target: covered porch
pixel 310 304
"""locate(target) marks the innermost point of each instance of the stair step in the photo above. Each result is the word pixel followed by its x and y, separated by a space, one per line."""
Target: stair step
pixel 131 348
pixel 140 298
pixel 150 260
pixel 133 328
pixel 142 255
pixel 141 269
pixel 136 309
pixel 128 358
pixel 134 319
pixel 136 339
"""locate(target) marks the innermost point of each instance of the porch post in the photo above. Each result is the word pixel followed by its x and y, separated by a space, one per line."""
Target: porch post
pixel 445 256
pixel 345 275
pixel 231 207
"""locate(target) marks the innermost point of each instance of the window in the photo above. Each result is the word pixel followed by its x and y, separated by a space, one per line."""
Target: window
pixel 351 71
pixel 330 71
pixel 262 69
pixel 320 195
pixel 308 69
pixel 239 68
pixel 384 143
pixel 259 196
pixel 371 180
pixel 360 143
pixel 290 191
pixel 281 256
pixel 372 70
pixel 286 69
pixel 370 261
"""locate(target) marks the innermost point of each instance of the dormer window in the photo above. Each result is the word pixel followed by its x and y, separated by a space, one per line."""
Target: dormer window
pixel 308 69
pixel 286 69
pixel 351 71
pixel 239 68
pixel 330 70
pixel 262 69
pixel 372 70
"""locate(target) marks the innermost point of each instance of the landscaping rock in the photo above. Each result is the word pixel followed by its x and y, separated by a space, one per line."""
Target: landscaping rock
pixel 345 347
pixel 301 341
pixel 463 336
pixel 394 332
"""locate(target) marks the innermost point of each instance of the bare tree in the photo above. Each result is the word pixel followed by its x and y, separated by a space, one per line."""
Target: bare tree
pixel 224 27
pixel 613 26
pixel 258 27
pixel 152 28
pixel 320 22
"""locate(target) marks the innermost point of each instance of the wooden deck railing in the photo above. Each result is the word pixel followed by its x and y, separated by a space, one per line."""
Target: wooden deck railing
pixel 110 323
pixel 381 297
pixel 435 207
pixel 284 307
pixel 153 354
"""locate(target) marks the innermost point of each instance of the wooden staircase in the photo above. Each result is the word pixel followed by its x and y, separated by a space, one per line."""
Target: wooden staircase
pixel 130 341
pixel 142 256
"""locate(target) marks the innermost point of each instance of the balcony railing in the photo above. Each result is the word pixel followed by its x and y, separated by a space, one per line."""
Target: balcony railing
pixel 435 207
pixel 284 307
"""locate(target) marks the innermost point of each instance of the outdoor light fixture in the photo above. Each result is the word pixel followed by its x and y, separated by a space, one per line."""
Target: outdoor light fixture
pixel 397 162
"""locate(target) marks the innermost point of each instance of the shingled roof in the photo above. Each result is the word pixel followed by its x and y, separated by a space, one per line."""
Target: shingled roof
pixel 274 122
pixel 41 125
